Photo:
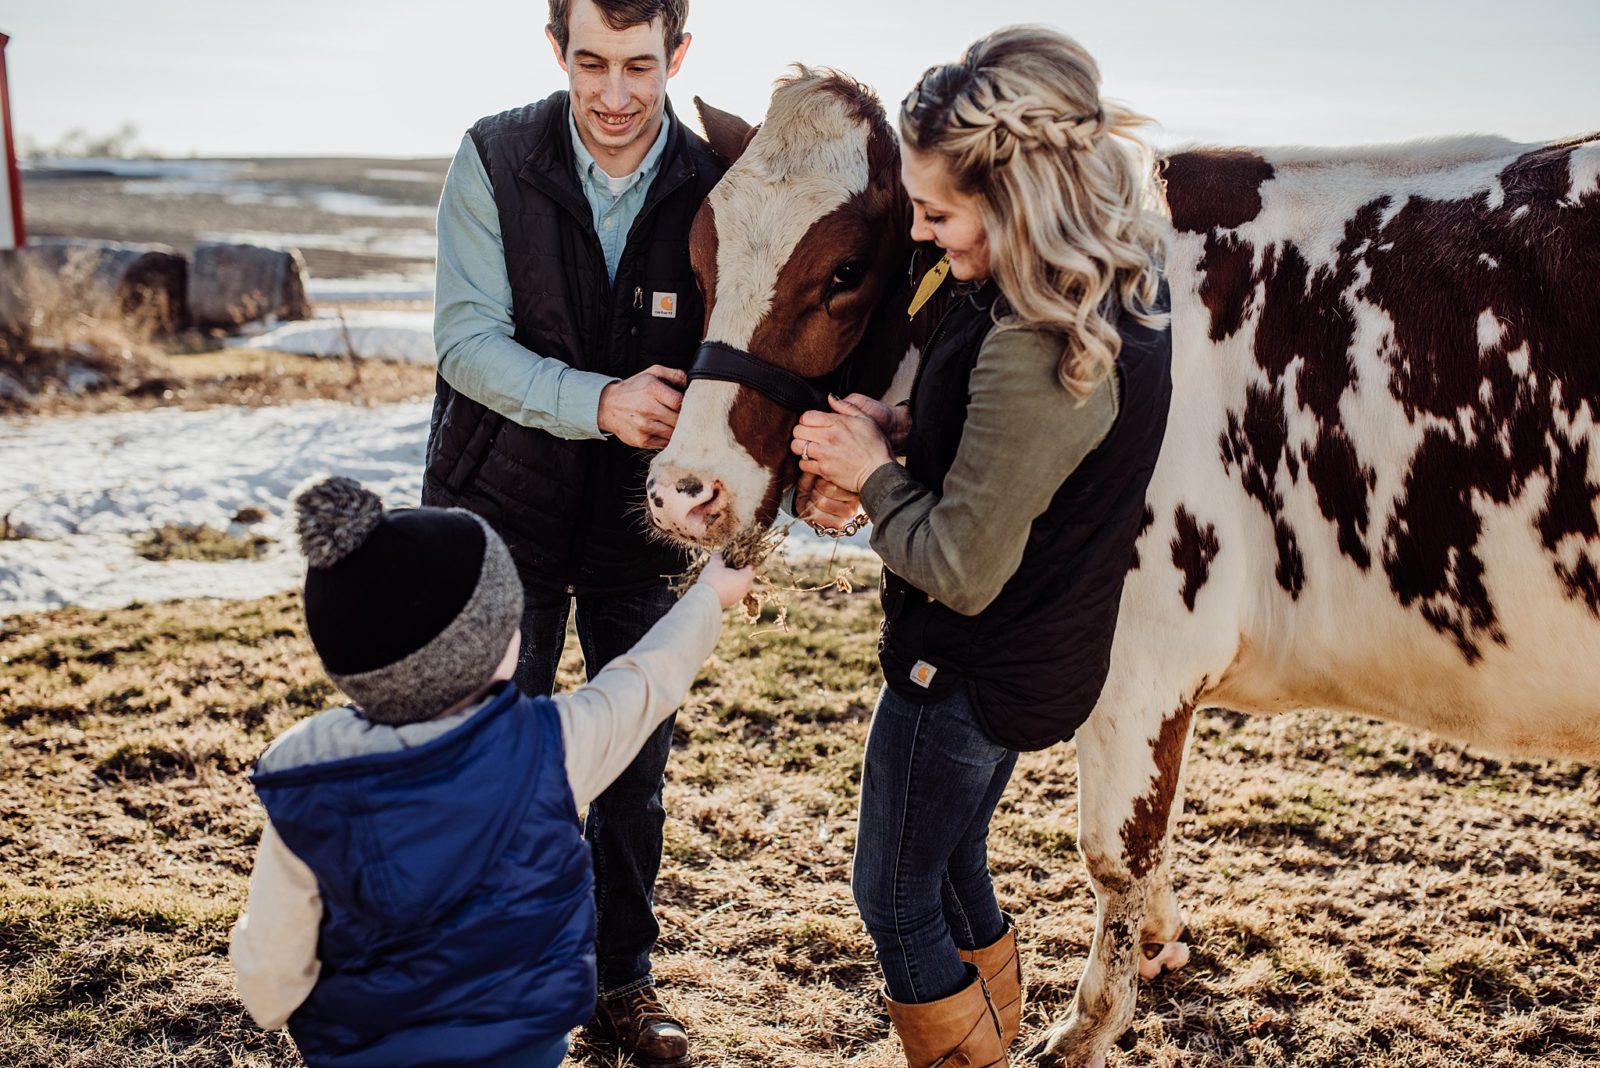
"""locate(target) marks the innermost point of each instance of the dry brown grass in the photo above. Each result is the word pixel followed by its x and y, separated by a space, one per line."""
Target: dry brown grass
pixel 1357 895
pixel 188 541
pixel 202 379
pixel 78 350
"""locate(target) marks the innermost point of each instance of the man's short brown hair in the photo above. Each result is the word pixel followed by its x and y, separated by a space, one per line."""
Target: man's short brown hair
pixel 621 14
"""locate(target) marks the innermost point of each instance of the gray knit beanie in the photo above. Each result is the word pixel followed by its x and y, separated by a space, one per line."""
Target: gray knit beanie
pixel 411 610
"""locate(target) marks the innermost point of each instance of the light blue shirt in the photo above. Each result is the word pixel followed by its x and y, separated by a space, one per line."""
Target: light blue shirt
pixel 615 202
pixel 473 332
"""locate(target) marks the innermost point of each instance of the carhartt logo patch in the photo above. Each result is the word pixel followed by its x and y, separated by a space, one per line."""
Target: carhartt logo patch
pixel 664 305
pixel 922 673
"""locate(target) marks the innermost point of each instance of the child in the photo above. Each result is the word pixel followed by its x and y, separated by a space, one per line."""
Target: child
pixel 422 893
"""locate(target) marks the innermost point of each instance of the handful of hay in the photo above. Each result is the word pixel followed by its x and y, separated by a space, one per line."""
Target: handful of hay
pixel 754 547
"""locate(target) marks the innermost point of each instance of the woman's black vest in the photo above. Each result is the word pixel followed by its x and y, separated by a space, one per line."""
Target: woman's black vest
pixel 1034 661
pixel 571 511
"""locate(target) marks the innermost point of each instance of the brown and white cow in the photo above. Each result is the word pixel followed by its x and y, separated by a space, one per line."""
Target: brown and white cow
pixel 1377 491
pixel 795 251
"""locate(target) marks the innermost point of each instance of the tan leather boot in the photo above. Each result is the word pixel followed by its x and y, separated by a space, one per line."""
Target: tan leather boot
pixel 1001 967
pixel 960 1031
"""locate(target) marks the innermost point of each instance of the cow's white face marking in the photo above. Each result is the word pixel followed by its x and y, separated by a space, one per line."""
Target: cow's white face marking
pixel 809 157
pixel 703 449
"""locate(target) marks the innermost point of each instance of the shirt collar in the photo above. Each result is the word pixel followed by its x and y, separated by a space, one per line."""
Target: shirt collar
pixel 591 171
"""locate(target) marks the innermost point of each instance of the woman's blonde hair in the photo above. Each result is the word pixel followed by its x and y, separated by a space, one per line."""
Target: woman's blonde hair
pixel 1068 192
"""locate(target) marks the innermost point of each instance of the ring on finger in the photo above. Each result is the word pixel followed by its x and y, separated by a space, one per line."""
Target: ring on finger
pixel 805 451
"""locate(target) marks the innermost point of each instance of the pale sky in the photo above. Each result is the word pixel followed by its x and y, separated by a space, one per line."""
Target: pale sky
pixel 405 77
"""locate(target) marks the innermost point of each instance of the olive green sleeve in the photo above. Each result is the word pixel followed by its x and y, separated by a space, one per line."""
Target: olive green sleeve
pixel 1024 434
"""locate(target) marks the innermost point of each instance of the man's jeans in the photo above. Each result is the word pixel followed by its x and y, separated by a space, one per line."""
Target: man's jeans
pixel 921 880
pixel 624 823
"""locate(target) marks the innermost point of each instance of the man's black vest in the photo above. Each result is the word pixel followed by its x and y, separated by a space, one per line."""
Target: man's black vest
pixel 1034 661
pixel 571 511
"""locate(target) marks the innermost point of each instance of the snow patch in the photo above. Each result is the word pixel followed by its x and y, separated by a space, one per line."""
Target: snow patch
pixel 371 289
pixel 367 241
pixel 380 174
pixel 137 168
pixel 389 335
pixel 83 487
pixel 278 195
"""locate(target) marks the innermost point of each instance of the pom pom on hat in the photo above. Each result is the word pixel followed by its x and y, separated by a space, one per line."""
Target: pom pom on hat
pixel 333 517
pixel 410 611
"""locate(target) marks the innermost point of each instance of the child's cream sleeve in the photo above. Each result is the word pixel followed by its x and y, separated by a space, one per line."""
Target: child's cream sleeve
pixel 605 723
pixel 274 949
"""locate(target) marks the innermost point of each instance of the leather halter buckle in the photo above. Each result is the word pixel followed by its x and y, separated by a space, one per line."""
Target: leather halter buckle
pixel 724 363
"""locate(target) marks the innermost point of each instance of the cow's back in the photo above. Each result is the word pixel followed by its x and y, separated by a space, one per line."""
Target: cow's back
pixel 1379 484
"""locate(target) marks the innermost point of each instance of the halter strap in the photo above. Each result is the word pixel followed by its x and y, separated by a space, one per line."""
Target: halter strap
pixel 724 363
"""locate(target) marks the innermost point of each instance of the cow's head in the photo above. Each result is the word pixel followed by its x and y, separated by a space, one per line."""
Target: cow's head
pixel 794 251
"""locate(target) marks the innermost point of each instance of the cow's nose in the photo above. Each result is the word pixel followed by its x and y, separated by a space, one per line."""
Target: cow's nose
pixel 681 502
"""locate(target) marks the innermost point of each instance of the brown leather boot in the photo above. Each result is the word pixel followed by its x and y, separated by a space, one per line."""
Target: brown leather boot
pixel 1001 967
pixel 639 1026
pixel 960 1031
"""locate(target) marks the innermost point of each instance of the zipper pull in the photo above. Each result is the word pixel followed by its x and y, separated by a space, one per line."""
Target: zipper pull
pixel 638 296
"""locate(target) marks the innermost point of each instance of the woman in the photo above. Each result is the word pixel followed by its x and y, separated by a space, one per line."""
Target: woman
pixel 1029 440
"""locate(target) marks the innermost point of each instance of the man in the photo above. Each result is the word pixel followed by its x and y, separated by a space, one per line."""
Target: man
pixel 567 313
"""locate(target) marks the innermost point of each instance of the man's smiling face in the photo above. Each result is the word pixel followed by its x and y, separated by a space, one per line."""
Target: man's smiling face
pixel 619 83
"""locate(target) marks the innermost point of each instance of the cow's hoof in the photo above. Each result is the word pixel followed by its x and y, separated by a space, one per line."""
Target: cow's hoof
pixel 1159 957
pixel 1051 1052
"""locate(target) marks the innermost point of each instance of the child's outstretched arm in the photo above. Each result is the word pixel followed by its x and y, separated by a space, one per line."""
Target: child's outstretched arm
pixel 274 949
pixel 607 721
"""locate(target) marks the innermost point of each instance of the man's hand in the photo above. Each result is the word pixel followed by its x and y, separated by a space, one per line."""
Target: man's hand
pixel 729 584
pixel 819 501
pixel 643 410
pixel 893 420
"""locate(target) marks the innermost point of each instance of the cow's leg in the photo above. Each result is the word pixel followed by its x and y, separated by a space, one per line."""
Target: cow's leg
pixel 1129 768
pixel 1162 946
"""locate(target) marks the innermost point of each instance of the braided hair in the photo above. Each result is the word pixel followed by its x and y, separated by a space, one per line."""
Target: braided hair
pixel 1067 191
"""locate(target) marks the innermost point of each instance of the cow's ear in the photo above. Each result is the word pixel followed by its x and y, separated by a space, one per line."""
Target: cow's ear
pixel 727 134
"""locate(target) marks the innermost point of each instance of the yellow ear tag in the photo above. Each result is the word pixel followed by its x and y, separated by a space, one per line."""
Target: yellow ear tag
pixel 929 286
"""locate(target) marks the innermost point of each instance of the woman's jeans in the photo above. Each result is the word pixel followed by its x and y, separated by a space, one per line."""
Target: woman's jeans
pixel 921 880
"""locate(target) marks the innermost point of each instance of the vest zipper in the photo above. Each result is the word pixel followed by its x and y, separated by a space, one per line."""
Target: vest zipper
pixel 922 357
pixel 657 194
pixel 916 380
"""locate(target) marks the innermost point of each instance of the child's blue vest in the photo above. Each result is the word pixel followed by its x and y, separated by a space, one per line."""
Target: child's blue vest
pixel 457 894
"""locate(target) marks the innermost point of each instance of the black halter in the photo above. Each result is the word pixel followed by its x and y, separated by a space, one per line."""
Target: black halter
pixel 724 363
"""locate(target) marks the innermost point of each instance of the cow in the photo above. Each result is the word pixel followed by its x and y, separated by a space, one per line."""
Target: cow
pixel 1377 491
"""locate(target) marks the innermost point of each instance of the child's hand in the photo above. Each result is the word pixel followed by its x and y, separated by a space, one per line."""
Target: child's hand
pixel 729 584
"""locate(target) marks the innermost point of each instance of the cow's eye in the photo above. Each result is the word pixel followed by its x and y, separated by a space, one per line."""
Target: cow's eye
pixel 848 276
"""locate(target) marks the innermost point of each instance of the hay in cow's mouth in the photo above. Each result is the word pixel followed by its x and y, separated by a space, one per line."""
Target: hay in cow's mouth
pixel 750 547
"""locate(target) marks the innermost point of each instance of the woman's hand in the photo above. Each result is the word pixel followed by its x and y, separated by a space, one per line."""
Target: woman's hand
pixel 816 500
pixel 843 446
pixel 894 420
